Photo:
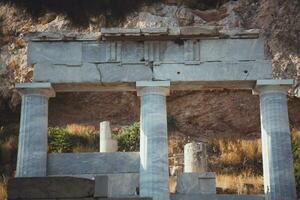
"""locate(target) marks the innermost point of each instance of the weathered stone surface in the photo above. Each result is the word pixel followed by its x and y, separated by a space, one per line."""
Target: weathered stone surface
pixel 170 52
pixel 92 163
pixel 123 185
pixel 124 73
pixel 127 198
pixel 120 31
pixel 86 72
pixel 50 187
pixel 107 144
pixel 131 61
pixel 101 186
pixel 95 198
pixel 214 71
pixel 130 73
pixel 63 36
pixel 132 52
pixel 199 30
pixel 232 50
pixel 195 158
pixel 154 31
pixel 196 183
pixel 215 197
pixel 94 52
pixel 68 53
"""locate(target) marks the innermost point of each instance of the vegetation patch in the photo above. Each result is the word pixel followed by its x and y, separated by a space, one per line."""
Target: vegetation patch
pixel 237 162
pixel 129 139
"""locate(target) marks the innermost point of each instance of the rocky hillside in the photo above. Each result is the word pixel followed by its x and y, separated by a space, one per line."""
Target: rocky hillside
pixel 201 114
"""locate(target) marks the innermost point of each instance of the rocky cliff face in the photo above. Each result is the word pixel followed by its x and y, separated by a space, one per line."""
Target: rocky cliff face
pixel 194 113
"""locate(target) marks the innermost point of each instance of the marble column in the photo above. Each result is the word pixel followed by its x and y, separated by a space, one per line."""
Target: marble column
pixel 33 143
pixel 195 158
pixel 154 168
pixel 107 144
pixel 279 179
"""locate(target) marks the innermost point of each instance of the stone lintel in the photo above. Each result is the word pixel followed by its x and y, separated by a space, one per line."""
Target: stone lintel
pixel 44 89
pixel 203 31
pixel 176 85
pixel 271 85
pixel 153 87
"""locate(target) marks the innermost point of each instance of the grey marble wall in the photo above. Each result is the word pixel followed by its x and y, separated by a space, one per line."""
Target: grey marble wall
pixel 92 163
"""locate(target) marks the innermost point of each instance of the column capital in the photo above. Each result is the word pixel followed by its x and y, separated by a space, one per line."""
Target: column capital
pixel 153 87
pixel 41 89
pixel 272 85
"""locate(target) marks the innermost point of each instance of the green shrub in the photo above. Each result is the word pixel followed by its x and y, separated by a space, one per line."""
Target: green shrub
pixel 59 140
pixel 129 139
pixel 172 123
pixel 8 148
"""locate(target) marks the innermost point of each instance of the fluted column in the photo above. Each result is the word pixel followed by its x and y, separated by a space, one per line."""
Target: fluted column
pixel 279 179
pixel 154 168
pixel 33 143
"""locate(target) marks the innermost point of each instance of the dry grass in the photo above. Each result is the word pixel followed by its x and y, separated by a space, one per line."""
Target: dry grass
pixel 241 184
pixel 296 135
pixel 228 155
pixel 84 148
pixel 3 194
pixel 85 138
pixel 235 151
pixel 82 130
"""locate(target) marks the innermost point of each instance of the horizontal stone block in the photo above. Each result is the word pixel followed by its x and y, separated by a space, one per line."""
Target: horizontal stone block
pixel 93 163
pixel 130 73
pixel 47 72
pixel 123 185
pixel 199 30
pixel 132 52
pixel 101 186
pixel 231 50
pixel 94 52
pixel 49 187
pixel 216 197
pixel 196 183
pixel 165 51
pixel 124 73
pixel 69 53
pixel 214 71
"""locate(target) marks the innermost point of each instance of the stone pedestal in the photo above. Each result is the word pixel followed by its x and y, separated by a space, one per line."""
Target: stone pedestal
pixel 33 143
pixel 154 173
pixel 107 144
pixel 279 180
pixel 195 159
pixel 196 183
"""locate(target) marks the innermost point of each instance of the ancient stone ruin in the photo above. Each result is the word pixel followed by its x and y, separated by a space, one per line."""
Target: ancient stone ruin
pixel 153 62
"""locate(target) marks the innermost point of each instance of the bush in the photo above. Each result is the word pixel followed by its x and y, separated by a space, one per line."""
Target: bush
pixel 172 123
pixel 129 139
pixel 59 140
pixel 8 148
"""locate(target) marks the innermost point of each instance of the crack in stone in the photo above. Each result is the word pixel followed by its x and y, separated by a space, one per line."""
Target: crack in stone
pixel 150 64
pixel 99 71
